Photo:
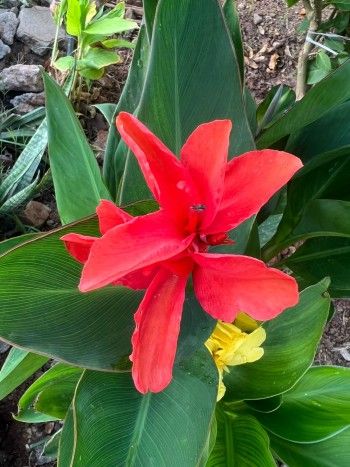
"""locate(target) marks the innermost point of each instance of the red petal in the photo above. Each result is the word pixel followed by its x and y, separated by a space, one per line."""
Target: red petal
pixel 140 279
pixel 251 179
pixel 157 329
pixel 226 285
pixel 141 242
pixel 79 246
pixel 205 156
pixel 168 180
pixel 109 215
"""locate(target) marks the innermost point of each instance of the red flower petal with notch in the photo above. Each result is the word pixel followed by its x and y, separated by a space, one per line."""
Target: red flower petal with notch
pixel 201 198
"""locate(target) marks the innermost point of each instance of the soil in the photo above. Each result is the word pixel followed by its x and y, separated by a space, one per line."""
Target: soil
pixel 271 49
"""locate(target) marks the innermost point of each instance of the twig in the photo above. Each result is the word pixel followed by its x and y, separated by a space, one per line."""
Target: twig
pixel 314 16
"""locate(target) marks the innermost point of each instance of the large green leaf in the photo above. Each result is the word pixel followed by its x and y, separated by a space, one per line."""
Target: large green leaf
pixel 18 366
pixel 323 177
pixel 42 310
pixel 115 425
pixel 149 7
pixel 62 379
pixel 320 257
pixel 193 77
pixel 241 441
pixel 76 175
pixel 317 407
pixel 289 349
pixel 333 452
pixel 115 154
pixel 329 93
pixel 232 21
pixel 328 133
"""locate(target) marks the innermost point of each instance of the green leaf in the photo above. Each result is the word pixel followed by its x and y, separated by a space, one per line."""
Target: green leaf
pixel 51 395
pixel 343 5
pixel 130 428
pixel 316 408
pixel 149 7
pixel 233 24
pixel 41 309
pixel 270 404
pixel 241 441
pixel 23 171
pixel 7 245
pixel 73 18
pixel 291 344
pixel 65 63
pixel 115 154
pixel 322 177
pixel 51 445
pixel 91 73
pixel 320 257
pixel 324 96
pixel 18 366
pixel 106 26
pixel 108 111
pixel 277 102
pixel 76 175
pixel 333 452
pixel 97 58
pixel 328 133
pixel 187 86
pixel 292 2
pixel 114 43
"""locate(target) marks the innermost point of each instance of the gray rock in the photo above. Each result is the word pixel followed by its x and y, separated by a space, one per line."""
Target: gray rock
pixel 25 103
pixel 8 27
pixel 37 29
pixel 257 19
pixel 4 50
pixel 21 78
pixel 4 347
pixel 10 3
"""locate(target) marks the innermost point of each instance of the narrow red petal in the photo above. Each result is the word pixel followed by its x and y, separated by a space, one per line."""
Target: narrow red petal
pixel 157 329
pixel 226 285
pixel 205 156
pixel 141 242
pixel 166 177
pixel 79 246
pixel 109 215
pixel 250 181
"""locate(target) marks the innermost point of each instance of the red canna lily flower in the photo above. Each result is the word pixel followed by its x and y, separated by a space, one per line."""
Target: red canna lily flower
pixel 201 197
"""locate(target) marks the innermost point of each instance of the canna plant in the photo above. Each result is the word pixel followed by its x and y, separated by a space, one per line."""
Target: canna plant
pixel 198 391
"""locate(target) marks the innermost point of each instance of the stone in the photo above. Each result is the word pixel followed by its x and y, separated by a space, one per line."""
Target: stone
pixel 35 213
pixel 4 50
pixel 8 27
pixel 21 78
pixel 37 29
pixel 27 102
pixel 4 347
pixel 257 19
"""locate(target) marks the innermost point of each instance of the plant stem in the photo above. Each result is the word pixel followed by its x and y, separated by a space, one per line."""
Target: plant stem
pixel 314 15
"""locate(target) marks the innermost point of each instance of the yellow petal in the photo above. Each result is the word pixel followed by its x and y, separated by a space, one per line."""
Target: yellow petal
pixel 245 322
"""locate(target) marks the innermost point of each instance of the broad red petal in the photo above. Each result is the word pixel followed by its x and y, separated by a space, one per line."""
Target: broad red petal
pixel 166 177
pixel 250 181
pixel 139 279
pixel 205 156
pixel 157 329
pixel 226 285
pixel 79 246
pixel 141 242
pixel 109 215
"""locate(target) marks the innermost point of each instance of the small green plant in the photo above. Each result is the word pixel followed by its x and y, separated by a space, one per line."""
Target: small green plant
pixel 15 129
pixel 18 184
pixel 95 44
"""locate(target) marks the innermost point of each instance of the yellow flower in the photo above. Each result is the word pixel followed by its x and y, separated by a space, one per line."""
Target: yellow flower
pixel 230 346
